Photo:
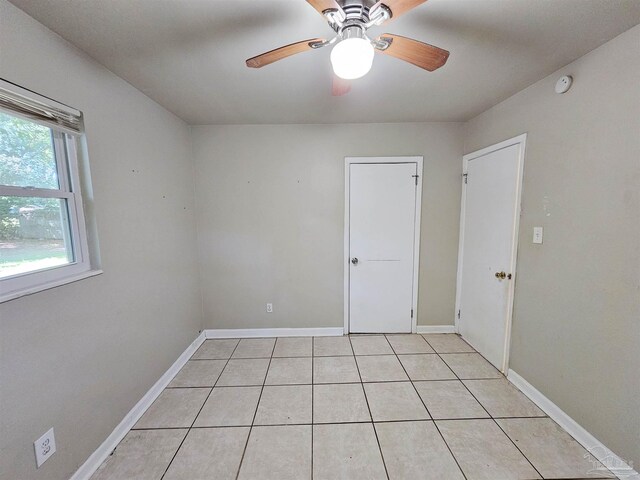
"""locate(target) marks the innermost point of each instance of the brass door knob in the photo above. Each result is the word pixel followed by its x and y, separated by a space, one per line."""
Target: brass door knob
pixel 503 275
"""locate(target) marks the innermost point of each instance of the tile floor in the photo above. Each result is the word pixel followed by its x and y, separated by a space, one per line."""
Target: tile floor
pixel 353 407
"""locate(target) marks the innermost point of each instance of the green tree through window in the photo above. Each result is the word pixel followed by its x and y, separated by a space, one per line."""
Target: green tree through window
pixel 26 160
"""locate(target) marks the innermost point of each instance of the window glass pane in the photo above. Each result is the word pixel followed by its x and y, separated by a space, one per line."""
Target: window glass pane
pixel 27 156
pixel 34 234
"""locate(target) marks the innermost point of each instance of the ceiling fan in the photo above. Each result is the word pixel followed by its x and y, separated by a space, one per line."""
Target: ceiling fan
pixel 353 51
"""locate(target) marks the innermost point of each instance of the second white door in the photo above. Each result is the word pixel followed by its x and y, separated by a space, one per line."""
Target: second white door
pixel 382 222
pixel 486 266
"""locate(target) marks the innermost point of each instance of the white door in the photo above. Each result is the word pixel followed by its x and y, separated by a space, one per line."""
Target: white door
pixel 489 229
pixel 382 220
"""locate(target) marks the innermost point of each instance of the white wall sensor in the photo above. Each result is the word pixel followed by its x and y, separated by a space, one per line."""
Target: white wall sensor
pixel 564 84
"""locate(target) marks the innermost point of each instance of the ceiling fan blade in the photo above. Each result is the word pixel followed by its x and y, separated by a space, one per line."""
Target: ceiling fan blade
pixel 417 53
pixel 323 5
pixel 340 86
pixel 282 52
pixel 398 7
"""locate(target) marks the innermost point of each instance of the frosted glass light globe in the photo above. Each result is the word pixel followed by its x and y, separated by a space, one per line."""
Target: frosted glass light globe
pixel 352 58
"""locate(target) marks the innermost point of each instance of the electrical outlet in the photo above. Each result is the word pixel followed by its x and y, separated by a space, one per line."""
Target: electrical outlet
pixel 44 447
pixel 269 307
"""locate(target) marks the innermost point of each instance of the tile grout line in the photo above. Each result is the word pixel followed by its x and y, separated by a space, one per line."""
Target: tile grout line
pixel 425 405
pixel 264 381
pixel 313 340
pixel 335 382
pixel 373 425
pixel 483 407
pixel 199 410
pixel 327 423
pixel 211 427
pixel 319 356
pixel 515 445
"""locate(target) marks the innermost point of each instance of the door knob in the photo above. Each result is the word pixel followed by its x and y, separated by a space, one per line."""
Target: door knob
pixel 503 275
pixel 354 260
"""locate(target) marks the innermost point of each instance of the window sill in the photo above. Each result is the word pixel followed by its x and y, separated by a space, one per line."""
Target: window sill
pixel 5 297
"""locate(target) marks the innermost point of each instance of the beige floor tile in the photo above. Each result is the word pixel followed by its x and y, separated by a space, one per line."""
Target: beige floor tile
pixel 415 450
pixel 254 348
pixel 348 451
pixel 216 349
pixel 426 367
pixel 552 450
pixel 370 345
pixel 293 347
pixel 244 372
pixel 380 368
pixel 331 346
pixel 483 451
pixel 339 403
pixel 209 453
pixel 143 455
pixel 448 343
pixel 502 399
pixel 470 365
pixel 229 406
pixel 198 373
pixel 288 404
pixel 174 408
pixel 403 344
pixel 449 399
pixel 278 453
pixel 394 401
pixel 335 370
pixel 287 371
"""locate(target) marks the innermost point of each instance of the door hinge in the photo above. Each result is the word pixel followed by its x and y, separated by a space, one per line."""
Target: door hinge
pixel 465 177
pixel 412 313
pixel 458 314
pixel 416 178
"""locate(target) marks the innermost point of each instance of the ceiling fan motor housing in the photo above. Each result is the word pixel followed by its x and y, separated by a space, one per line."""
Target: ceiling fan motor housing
pixel 356 13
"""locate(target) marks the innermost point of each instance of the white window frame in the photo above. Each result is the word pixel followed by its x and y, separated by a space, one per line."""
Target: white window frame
pixel 66 146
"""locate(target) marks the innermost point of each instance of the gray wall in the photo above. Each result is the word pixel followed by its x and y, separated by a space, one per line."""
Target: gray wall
pixel 270 203
pixel 79 357
pixel 576 327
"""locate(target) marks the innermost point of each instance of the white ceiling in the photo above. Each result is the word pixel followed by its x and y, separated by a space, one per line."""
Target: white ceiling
pixel 188 55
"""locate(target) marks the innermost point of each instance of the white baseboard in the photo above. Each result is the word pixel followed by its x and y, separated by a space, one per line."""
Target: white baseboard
pixel 89 467
pixel 273 332
pixel 609 459
pixel 436 329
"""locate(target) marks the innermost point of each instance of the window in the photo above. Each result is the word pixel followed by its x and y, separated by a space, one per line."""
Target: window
pixel 43 238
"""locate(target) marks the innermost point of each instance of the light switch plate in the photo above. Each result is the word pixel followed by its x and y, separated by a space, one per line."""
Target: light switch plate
pixel 44 447
pixel 537 234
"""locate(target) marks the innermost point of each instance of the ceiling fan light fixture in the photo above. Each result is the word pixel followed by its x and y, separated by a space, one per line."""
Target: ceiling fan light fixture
pixel 353 51
pixel 352 57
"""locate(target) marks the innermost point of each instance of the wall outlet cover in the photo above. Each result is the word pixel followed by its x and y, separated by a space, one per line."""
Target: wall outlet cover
pixel 269 307
pixel 44 447
pixel 537 234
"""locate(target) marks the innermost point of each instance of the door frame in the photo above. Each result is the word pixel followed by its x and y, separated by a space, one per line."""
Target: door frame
pixel 520 140
pixel 348 161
